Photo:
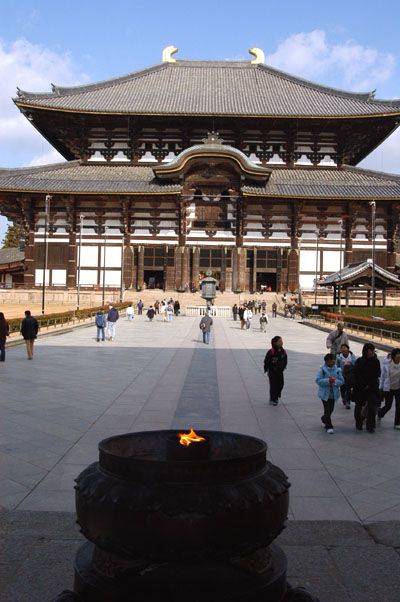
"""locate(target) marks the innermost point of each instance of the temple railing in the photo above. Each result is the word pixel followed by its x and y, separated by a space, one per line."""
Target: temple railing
pixel 215 310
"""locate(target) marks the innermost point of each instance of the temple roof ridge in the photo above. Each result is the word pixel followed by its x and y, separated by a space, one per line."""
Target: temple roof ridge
pixel 172 69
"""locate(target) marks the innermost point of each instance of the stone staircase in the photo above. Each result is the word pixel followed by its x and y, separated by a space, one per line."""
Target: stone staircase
pixel 222 299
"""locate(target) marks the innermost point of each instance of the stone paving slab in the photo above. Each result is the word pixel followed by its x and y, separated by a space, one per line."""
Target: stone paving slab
pixel 339 561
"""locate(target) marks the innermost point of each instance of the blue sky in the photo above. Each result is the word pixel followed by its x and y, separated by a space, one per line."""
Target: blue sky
pixel 348 44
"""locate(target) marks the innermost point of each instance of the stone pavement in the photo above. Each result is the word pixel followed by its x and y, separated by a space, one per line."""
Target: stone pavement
pixel 76 391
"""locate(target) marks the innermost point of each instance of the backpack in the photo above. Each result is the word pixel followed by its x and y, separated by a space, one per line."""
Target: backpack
pixel 100 320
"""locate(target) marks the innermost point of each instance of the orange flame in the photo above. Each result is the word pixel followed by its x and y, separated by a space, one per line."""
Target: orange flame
pixel 187 438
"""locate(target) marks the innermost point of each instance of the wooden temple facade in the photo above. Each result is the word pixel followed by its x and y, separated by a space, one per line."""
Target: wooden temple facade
pixel 190 166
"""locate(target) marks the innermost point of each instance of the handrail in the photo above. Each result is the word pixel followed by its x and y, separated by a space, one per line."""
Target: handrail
pixel 358 329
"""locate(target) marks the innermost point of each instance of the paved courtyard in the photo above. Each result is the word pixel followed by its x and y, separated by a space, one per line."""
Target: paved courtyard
pixel 55 409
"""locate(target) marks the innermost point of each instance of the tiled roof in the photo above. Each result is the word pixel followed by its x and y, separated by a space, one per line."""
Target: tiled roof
pixel 349 182
pixel 210 88
pixel 74 177
pixel 11 256
pixel 354 270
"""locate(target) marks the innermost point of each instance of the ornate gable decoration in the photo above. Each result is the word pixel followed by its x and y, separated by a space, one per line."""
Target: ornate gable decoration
pixel 210 159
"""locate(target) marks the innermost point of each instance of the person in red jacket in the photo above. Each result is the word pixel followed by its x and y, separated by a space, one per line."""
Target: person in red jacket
pixel 275 363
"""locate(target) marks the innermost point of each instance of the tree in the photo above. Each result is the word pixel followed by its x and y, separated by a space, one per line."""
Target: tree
pixel 12 237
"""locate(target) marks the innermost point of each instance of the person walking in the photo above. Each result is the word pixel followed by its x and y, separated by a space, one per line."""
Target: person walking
pixel 169 310
pixel 4 333
pixel 100 321
pixel 274 309
pixel 390 385
pixel 329 380
pixel 241 311
pixel 205 326
pixel 130 312
pixel 151 313
pixel 292 312
pixel 275 363
pixel 367 371
pixel 345 361
pixel 247 317
pixel 112 318
pixel 263 322
pixel 163 311
pixel 235 311
pixel 29 330
pixel 336 339
pixel 177 308
pixel 157 307
pixel 140 306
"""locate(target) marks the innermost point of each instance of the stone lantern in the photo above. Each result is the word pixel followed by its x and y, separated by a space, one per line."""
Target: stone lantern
pixel 209 289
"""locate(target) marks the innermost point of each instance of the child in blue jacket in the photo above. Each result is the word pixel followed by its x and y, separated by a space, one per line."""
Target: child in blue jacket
pixel 329 380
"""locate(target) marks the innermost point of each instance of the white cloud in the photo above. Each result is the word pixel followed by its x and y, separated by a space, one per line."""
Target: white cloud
pixel 349 65
pixel 32 67
pixel 49 156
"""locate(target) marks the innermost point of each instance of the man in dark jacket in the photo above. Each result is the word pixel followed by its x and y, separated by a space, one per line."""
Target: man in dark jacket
pixel 29 330
pixel 151 313
pixel 205 326
pixel 367 371
pixel 275 363
pixel 112 318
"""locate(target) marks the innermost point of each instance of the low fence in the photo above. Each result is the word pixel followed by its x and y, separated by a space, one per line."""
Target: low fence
pixel 374 333
pixel 216 310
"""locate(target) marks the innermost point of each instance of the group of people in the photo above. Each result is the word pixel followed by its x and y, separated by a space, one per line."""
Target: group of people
pixel 360 380
pixel 29 330
pixel 247 310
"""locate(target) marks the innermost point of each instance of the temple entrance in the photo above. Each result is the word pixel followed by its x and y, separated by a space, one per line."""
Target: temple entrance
pixel 266 281
pixel 154 278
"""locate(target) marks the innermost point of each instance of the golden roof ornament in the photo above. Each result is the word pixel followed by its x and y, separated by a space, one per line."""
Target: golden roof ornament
pixel 259 56
pixel 167 54
pixel 212 138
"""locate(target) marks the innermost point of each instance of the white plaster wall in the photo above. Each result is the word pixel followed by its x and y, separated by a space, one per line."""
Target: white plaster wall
pixel 89 257
pixel 88 277
pixel 39 277
pixel 331 261
pixel 59 277
pixel 113 257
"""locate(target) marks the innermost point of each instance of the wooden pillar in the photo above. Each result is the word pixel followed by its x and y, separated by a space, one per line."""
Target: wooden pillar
pixel 239 270
pixel 293 256
pixel 347 296
pixel 181 267
pixel 72 259
pixel 384 297
pixel 29 275
pixel 348 250
pixel 293 267
pixel 254 272
pixel 140 268
pixel 195 268
pixel 128 262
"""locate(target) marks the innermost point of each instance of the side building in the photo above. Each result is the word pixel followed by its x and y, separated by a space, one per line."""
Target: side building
pixel 191 166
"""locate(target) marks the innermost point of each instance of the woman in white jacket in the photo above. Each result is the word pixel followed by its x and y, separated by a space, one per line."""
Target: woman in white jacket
pixel 390 384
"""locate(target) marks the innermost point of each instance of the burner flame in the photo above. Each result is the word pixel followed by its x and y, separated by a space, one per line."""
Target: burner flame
pixel 187 438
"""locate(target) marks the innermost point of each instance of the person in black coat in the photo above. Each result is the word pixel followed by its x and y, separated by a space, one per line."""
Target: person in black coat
pixel 367 371
pixel 275 363
pixel 4 333
pixel 29 330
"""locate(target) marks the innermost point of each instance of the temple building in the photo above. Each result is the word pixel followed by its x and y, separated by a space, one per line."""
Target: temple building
pixel 191 166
